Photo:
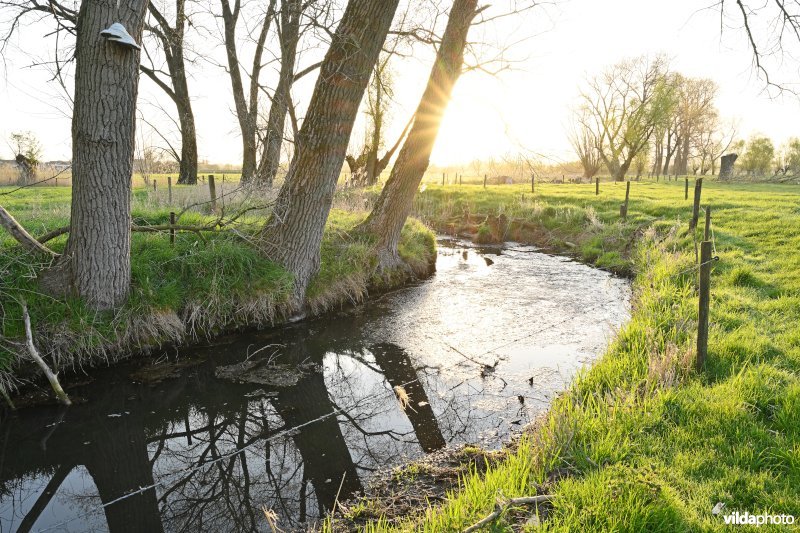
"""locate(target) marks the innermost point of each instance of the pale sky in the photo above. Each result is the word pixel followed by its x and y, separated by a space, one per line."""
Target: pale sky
pixel 529 106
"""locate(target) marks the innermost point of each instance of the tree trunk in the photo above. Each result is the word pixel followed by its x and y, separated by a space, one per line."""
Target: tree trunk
pixel 683 168
pixel 394 204
pixel 293 234
pixel 658 159
pixel 172 39
pixel 188 163
pixel 291 12
pixel 96 263
pixel 613 167
pixel 183 102
pixel 246 114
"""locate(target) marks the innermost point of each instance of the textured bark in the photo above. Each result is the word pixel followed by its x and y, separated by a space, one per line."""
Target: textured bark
pixel 388 216
pixel 96 265
pixel 293 234
pixel 291 12
pixel 172 39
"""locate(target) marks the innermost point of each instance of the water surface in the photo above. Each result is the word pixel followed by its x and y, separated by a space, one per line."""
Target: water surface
pixel 286 419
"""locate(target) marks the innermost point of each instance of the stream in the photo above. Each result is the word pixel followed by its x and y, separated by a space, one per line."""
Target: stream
pixel 288 419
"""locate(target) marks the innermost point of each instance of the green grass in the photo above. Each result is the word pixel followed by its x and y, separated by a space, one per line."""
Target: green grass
pixel 189 290
pixel 643 442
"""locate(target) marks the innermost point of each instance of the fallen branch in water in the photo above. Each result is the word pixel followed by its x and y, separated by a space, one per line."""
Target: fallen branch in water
pixel 34 353
pixel 501 506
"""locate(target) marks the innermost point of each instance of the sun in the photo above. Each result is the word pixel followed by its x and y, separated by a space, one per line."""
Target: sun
pixel 473 126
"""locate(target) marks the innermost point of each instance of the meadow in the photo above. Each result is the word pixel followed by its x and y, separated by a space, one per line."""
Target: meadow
pixel 642 441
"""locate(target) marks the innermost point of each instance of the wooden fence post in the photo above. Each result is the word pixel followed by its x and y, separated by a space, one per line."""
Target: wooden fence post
pixel 155 185
pixel 686 190
pixel 212 191
pixel 172 229
pixel 485 176
pixel 705 295
pixel 443 179
pixel 698 189
pixel 169 188
pixel 623 210
pixel 533 183
pixel 597 186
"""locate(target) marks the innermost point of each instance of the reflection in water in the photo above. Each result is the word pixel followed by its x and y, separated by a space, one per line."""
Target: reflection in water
pixel 197 452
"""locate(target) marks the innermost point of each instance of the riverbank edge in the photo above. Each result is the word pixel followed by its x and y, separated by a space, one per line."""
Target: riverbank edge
pixel 141 335
pixel 437 477
pixel 642 441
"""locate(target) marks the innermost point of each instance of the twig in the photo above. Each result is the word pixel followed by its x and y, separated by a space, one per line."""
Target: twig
pixel 34 353
pixel 500 507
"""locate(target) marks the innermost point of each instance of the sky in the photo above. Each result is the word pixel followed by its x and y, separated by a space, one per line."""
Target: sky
pixel 528 107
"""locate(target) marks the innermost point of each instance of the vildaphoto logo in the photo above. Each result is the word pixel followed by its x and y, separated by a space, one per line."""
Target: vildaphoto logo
pixel 741 519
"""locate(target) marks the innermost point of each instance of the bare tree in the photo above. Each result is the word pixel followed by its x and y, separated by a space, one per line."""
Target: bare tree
pixel 95 265
pixel 772 32
pixel 622 108
pixel 695 107
pixel 293 234
pixel 288 38
pixel 171 39
pixel 393 206
pixel 246 107
pixel 585 148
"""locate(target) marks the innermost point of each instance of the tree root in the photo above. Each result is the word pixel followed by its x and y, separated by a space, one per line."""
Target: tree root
pixel 501 506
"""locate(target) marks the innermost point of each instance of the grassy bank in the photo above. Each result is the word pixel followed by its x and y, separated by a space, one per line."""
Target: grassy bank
pixel 641 441
pixel 200 286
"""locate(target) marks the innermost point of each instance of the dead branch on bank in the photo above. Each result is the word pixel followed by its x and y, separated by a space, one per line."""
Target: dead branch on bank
pixel 34 353
pixel 501 506
pixel 21 235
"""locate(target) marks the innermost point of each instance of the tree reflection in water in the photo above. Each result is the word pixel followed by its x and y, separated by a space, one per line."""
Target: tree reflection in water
pixel 183 435
pixel 196 452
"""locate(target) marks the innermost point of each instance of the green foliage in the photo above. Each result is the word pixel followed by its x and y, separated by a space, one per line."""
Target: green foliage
pixel 758 156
